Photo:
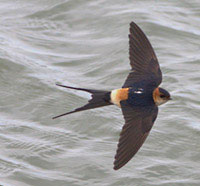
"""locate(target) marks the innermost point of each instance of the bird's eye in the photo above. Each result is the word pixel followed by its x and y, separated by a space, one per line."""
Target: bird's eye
pixel 162 96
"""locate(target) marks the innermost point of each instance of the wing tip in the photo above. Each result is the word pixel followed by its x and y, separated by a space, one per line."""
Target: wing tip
pixel 133 25
pixel 116 166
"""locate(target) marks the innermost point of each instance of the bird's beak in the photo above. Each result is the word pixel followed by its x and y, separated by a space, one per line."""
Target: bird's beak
pixel 170 98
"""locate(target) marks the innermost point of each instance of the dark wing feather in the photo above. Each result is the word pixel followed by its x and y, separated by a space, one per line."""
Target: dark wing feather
pixel 143 60
pixel 138 123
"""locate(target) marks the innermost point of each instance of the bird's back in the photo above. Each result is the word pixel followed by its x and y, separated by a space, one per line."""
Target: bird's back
pixel 140 97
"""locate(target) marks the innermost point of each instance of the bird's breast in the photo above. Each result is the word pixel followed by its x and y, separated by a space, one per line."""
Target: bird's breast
pixel 118 95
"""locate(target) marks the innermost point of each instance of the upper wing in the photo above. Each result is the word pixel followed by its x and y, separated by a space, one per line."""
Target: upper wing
pixel 138 123
pixel 143 60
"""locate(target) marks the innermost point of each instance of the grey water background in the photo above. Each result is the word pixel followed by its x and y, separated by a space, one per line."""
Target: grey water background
pixel 84 43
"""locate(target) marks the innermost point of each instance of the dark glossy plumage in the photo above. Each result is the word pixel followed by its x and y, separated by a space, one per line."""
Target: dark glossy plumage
pixel 138 123
pixel 145 67
pixel 100 98
pixel 139 110
pixel 142 99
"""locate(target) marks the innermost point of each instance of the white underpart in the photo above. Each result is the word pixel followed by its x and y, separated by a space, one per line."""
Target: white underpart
pixel 114 98
pixel 139 91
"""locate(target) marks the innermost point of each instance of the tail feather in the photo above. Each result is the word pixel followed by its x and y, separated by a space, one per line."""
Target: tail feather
pixel 99 98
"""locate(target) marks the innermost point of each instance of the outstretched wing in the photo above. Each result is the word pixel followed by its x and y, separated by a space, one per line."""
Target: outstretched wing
pixel 145 67
pixel 138 123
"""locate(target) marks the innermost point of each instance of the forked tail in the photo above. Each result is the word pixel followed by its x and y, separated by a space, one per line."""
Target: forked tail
pixel 99 98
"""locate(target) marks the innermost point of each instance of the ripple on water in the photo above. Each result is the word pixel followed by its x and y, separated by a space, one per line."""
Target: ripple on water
pixel 85 44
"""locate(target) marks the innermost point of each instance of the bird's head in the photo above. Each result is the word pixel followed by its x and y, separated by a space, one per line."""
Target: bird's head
pixel 161 96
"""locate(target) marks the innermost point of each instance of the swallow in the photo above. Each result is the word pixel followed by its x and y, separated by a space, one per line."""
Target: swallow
pixel 138 98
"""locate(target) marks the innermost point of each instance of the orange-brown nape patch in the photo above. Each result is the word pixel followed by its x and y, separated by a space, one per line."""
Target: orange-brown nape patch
pixel 156 96
pixel 158 100
pixel 119 95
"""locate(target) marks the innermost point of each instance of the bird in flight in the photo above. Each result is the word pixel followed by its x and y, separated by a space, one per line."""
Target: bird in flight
pixel 138 98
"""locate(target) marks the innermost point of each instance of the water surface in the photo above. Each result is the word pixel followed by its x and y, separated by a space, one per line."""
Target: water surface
pixel 85 44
